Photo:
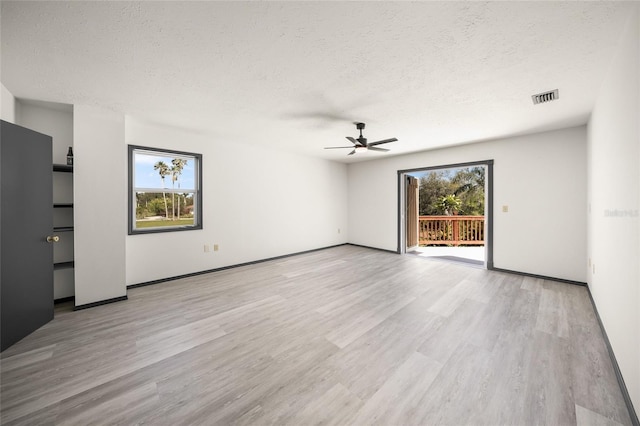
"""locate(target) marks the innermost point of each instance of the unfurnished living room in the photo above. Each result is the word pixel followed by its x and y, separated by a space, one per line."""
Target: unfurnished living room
pixel 207 213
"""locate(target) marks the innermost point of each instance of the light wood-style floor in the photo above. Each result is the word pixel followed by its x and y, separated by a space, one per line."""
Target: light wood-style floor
pixel 346 335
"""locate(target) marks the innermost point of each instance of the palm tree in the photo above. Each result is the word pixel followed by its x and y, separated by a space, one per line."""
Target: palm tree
pixel 164 171
pixel 469 187
pixel 176 170
pixel 468 180
pixel 449 204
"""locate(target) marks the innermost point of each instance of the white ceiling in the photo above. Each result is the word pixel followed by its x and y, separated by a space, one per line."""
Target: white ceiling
pixel 295 75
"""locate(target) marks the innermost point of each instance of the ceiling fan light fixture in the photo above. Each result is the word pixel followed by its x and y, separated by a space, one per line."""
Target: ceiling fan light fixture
pixel 361 144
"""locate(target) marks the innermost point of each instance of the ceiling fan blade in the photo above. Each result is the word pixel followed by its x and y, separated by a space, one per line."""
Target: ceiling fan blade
pixel 383 141
pixel 320 115
pixel 373 148
pixel 352 152
pixel 338 147
pixel 354 141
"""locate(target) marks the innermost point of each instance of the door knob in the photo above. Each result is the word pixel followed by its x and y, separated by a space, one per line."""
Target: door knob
pixel 53 239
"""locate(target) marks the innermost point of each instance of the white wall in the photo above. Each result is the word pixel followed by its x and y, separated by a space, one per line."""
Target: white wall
pixel 614 194
pixel 53 119
pixel 257 203
pixel 100 183
pixel 541 177
pixel 7 105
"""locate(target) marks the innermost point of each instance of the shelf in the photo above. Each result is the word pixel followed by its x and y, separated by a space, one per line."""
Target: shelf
pixel 62 168
pixel 63 265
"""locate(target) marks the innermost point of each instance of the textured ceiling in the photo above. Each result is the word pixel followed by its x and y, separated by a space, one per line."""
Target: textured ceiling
pixel 295 75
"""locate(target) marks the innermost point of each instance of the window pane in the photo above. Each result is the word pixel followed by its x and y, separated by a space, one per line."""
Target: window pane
pixel 165 190
pixel 155 209
pixel 155 170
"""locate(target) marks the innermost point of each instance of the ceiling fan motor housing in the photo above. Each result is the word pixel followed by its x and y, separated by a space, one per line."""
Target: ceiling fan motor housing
pixel 362 140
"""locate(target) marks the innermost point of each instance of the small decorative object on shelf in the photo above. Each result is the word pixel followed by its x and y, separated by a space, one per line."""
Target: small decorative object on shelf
pixel 70 157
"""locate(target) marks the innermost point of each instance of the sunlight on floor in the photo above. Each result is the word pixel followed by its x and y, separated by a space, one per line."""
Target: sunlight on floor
pixel 469 254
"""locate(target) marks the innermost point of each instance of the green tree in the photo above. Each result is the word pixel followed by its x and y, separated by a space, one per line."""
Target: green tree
pixel 157 205
pixel 141 212
pixel 469 187
pixel 449 204
pixel 433 186
pixel 466 184
pixel 164 171
pixel 177 164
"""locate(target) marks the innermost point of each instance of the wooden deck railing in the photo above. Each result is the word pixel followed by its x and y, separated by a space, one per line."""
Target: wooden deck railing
pixel 451 230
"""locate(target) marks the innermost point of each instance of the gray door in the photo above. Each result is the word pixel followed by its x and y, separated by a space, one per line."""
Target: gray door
pixel 26 220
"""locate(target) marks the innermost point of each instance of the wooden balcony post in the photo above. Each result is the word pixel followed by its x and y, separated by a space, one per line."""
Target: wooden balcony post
pixel 456 233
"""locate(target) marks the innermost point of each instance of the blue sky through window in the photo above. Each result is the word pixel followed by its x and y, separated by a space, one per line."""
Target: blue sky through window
pixel 448 173
pixel 147 177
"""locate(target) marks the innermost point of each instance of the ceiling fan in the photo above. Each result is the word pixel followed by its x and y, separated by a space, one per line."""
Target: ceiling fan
pixel 361 144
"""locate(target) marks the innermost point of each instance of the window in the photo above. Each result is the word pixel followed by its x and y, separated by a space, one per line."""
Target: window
pixel 165 190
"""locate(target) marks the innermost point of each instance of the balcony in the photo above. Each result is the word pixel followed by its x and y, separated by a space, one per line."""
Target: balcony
pixel 451 230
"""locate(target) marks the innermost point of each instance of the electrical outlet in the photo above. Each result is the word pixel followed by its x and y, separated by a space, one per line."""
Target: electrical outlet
pixel 505 209
pixel 206 248
pixel 593 268
pixel 338 230
pixel 215 247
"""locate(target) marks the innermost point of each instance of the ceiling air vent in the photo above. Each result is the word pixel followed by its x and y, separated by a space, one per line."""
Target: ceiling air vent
pixel 541 98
